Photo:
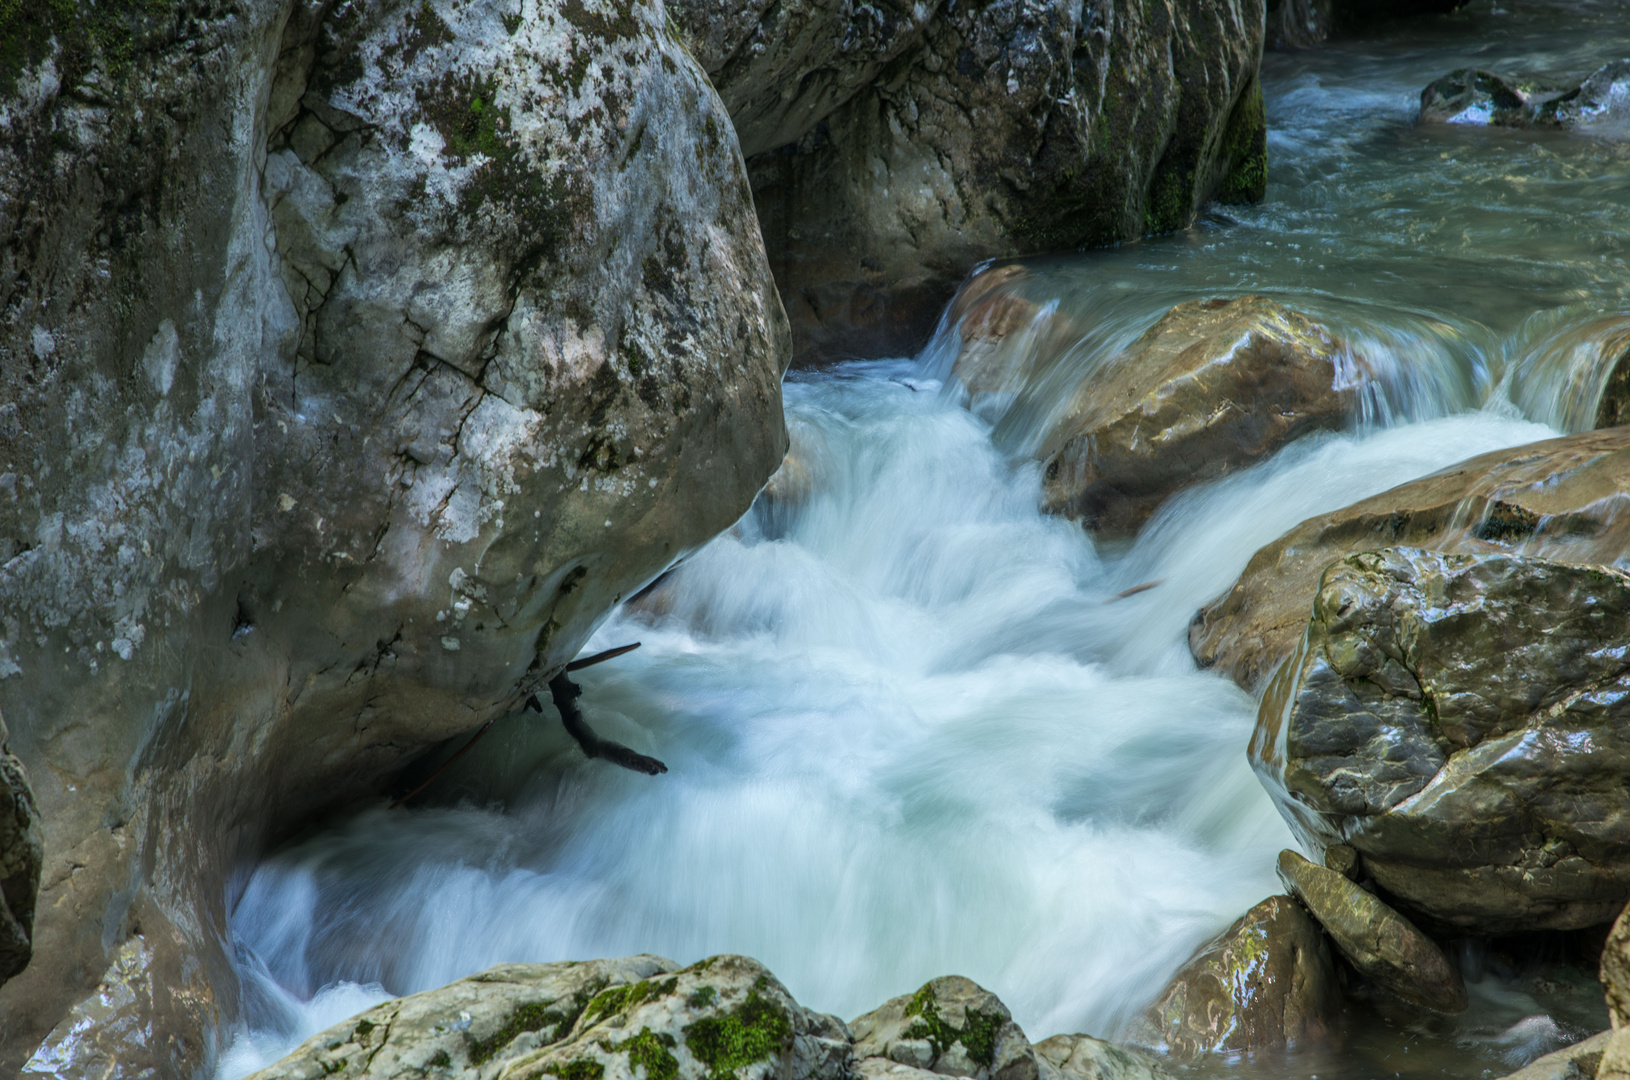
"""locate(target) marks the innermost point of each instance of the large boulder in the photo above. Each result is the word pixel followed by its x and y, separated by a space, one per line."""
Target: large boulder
pixel 1267 982
pixel 1562 499
pixel 355 360
pixel 1214 386
pixel 1014 126
pixel 1301 24
pixel 605 1020
pixel 1463 723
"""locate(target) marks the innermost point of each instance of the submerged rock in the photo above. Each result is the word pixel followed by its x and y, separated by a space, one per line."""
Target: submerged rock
pixel 1267 982
pixel 1460 721
pixel 1082 1057
pixel 1213 387
pixel 1015 126
pixel 602 1020
pixel 1563 499
pixel 21 855
pixel 1599 105
pixel 1581 1061
pixel 951 1026
pixel 1382 944
pixel 358 358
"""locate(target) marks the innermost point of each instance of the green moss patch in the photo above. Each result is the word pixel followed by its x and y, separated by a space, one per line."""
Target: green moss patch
pixel 653 1052
pixel 623 998
pixel 752 1032
pixel 1245 148
pixel 977 1034
pixel 578 1069
pixel 559 1015
pixel 106 34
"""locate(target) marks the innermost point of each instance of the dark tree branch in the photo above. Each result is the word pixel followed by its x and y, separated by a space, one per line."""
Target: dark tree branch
pixel 565 692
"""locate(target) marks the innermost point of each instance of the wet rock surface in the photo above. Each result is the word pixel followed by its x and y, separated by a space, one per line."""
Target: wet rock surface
pixel 1459 721
pixel 725 1016
pixel 1581 1061
pixel 1013 127
pixel 1600 104
pixel 1213 387
pixel 1381 944
pixel 1561 499
pixel 356 359
pixel 1267 982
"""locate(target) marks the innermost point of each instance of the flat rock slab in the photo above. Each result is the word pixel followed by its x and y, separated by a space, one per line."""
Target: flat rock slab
pixel 1379 942
pixel 1213 387
pixel 1082 1057
pixel 1266 983
pixel 1581 1061
pixel 1461 722
pixel 1564 499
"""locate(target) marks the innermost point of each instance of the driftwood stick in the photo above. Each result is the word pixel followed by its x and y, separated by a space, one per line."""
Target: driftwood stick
pixel 601 657
pixel 565 692
pixel 465 749
pixel 1134 590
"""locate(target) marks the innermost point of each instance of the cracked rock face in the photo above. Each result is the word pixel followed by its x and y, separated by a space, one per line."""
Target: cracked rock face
pixel 357 357
pixel 1265 983
pixel 1463 723
pixel 602 1020
pixel 1213 387
pixel 1563 499
pixel 1012 127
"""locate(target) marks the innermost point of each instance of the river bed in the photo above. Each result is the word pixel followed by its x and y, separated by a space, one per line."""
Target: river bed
pixel 910 731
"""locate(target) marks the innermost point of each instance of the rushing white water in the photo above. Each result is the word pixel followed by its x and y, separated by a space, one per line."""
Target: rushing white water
pixel 908 736
pixel 909 731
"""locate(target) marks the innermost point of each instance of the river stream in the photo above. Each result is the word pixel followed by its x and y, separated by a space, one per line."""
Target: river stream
pixel 911 731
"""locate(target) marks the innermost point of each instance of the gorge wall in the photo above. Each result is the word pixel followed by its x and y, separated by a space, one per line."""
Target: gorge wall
pixel 357 356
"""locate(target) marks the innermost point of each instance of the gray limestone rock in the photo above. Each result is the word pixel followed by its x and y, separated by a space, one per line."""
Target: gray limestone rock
pixel 1599 105
pixel 356 358
pixel 611 1019
pixel 950 1027
pixel 1461 722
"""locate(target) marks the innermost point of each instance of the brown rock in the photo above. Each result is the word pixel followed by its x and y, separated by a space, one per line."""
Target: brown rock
pixel 1213 387
pixel 1379 942
pixel 1562 499
pixel 1615 970
pixel 1267 982
pixel 21 855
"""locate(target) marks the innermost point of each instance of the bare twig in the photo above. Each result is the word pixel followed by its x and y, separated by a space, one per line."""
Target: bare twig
pixel 565 692
pixel 601 657
pixel 1134 590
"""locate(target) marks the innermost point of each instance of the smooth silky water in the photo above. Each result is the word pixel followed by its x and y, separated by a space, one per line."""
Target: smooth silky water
pixel 910 731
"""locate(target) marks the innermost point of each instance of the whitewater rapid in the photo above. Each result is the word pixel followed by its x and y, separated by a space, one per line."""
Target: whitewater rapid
pixel 909 731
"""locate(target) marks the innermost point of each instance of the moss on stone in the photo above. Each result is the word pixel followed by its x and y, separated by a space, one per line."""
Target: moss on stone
pixel 977 1034
pixel 440 1060
pixel 653 1052
pixel 1245 148
pixel 751 1032
pixel 578 1069
pixel 107 34
pixel 560 1015
pixel 702 997
pixel 621 999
